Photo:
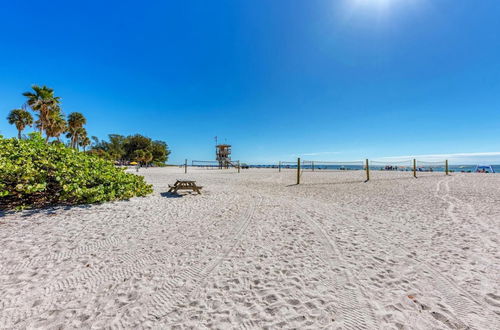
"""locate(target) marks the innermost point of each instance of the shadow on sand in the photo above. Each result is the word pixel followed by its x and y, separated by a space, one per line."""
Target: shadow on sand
pixel 170 195
pixel 48 210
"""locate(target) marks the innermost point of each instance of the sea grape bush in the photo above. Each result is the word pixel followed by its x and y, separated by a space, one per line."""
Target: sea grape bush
pixel 34 173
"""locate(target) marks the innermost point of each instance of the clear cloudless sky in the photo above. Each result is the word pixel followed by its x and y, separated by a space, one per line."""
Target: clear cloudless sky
pixel 324 79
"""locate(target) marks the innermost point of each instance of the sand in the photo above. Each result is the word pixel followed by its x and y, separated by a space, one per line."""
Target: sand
pixel 255 251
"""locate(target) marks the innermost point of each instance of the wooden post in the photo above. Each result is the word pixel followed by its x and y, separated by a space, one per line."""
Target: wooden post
pixel 279 166
pixel 239 166
pixel 414 167
pixel 367 170
pixel 446 166
pixel 186 166
pixel 312 166
pixel 298 170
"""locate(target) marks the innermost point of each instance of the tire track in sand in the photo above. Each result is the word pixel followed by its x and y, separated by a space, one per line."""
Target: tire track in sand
pixel 107 243
pixel 466 208
pixel 356 314
pixel 134 261
pixel 171 294
pixel 456 204
pixel 464 306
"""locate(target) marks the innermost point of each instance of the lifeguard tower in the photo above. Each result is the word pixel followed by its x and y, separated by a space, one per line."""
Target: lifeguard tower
pixel 222 153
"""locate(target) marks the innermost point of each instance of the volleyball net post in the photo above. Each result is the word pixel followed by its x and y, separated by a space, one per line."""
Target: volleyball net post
pixel 414 168
pixel 446 167
pixel 298 170
pixel 367 165
pixel 279 166
pixel 185 166
pixel 239 167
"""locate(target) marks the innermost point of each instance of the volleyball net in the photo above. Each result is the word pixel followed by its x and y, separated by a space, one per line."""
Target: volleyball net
pixel 285 165
pixel 405 168
pixel 320 171
pixel 391 168
pixel 315 165
pixel 308 171
pixel 428 167
pixel 391 165
pixel 205 164
pixel 215 165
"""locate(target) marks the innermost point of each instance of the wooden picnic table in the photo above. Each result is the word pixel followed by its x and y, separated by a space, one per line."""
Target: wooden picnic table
pixel 184 185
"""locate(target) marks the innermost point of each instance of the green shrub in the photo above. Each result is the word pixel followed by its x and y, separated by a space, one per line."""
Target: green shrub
pixel 34 173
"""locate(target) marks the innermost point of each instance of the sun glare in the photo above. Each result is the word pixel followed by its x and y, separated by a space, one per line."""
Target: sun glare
pixel 380 4
pixel 381 9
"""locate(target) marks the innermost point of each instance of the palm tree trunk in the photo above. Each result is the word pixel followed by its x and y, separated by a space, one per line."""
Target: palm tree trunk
pixel 19 134
pixel 43 117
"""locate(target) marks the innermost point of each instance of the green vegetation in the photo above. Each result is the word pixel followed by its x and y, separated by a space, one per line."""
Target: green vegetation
pixel 44 170
pixel 51 122
pixel 136 148
pixel 34 173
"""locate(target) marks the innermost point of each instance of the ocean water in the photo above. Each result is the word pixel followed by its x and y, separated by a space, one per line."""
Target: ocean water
pixel 356 167
pixel 425 168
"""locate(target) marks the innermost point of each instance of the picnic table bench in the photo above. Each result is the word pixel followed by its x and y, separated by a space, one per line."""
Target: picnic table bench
pixel 184 185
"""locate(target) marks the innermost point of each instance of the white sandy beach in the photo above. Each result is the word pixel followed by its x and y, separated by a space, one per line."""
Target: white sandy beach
pixel 255 251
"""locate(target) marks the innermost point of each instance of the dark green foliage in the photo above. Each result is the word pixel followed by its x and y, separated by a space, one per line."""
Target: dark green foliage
pixel 160 152
pixel 134 143
pixel 132 148
pixel 34 173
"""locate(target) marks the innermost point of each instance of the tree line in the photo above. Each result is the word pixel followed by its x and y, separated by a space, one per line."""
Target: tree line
pixel 52 123
pixel 139 148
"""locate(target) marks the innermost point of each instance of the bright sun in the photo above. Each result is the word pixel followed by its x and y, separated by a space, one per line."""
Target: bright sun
pixel 380 10
pixel 383 3
pixel 382 6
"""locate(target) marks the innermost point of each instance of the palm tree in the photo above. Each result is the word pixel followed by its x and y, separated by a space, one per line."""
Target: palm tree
pixel 21 118
pixel 75 123
pixel 84 142
pixel 83 139
pixel 43 101
pixel 95 140
pixel 76 134
pixel 56 126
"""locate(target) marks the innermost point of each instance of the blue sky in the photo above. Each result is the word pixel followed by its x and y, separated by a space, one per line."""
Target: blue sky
pixel 326 80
